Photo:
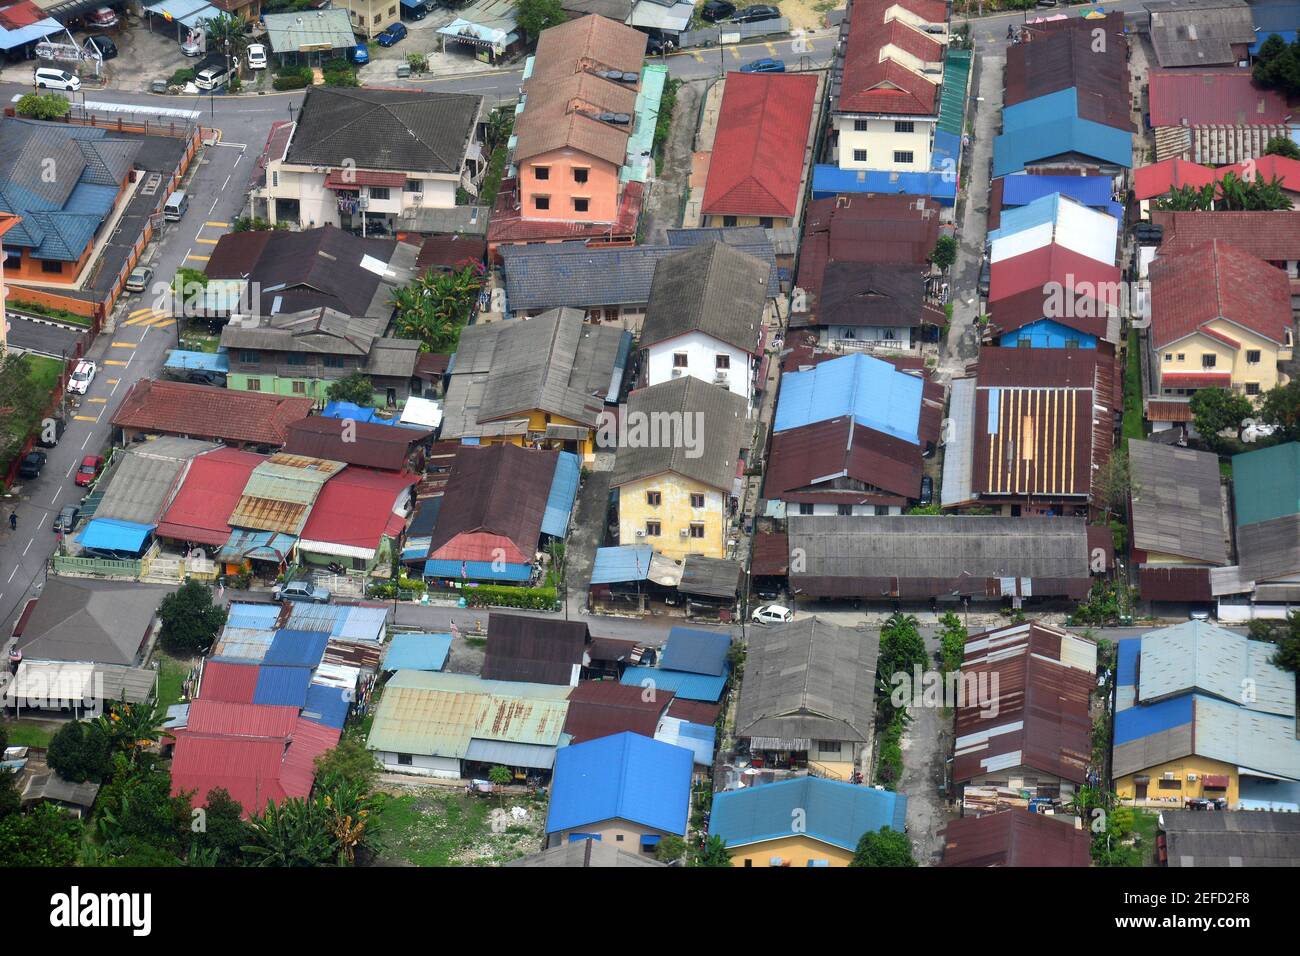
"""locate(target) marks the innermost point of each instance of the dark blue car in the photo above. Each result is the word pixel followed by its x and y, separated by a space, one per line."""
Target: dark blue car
pixel 360 55
pixel 392 34
pixel 765 65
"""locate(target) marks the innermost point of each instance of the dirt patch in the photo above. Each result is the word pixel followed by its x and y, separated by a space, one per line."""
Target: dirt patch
pixel 430 825
pixel 807 14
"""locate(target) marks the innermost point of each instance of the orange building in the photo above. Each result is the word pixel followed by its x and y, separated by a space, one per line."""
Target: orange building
pixel 7 222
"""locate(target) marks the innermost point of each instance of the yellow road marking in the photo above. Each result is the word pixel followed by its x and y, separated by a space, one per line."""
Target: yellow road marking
pixel 133 313
pixel 85 418
pixel 123 345
pixel 113 381
pixel 208 242
pixel 148 318
pixel 699 57
pixel 199 258
pixel 97 401
pixel 222 225
pixel 114 362
pixel 771 47
pixel 163 325
pixel 735 54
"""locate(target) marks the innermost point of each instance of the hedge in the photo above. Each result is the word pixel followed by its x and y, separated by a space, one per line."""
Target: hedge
pixel 499 595
pixel 291 81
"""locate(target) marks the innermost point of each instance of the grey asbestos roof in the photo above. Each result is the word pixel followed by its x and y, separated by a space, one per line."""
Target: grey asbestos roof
pixel 712 288
pixel 808 680
pixel 400 130
pixel 705 448
pixel 1269 549
pixel 1255 838
pixel 78 619
pixel 1197 655
pixel 1199 32
pixel 551 275
pixel 142 485
pixel 555 363
pixel 1177 502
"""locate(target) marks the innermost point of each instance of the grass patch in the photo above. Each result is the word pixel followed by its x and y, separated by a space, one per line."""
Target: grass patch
pixel 171 675
pixel 476 641
pixel 1133 425
pixel 26 733
pixel 45 372
pixel 492 179
pixel 58 315
pixel 450 828
pixel 43 379
pixel 664 122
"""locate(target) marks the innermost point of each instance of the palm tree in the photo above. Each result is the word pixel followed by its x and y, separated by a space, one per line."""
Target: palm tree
pixel 348 811
pixel 226 35
pixel 134 728
pixel 292 833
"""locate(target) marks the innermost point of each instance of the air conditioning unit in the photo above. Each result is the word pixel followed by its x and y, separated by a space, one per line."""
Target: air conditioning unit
pixel 678 372
pixel 417 199
pixel 1191 778
pixel 1169 775
pixel 640 532
pixel 685 532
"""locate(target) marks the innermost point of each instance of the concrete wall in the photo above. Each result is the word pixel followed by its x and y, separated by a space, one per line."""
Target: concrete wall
pixel 674 514
pixel 794 851
pixel 1126 788
pixel 701 352
pixel 601 190
pixel 1264 373
pixel 421 765
pixel 620 834
pixel 881 140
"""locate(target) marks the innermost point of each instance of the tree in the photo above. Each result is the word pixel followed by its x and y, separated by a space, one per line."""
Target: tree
pixel 223 833
pixel 21 400
pixel 534 16
pixel 1216 410
pixel 10 800
pixel 1113 482
pixel 670 849
pixel 136 809
pixel 46 836
pixel 42 106
pixel 1282 146
pixel 132 728
pixel 945 253
pixel 712 853
pixel 436 306
pixel 1280 408
pixel 349 761
pixel 355 388
pixel 289 834
pixel 80 751
pixel 1277 65
pixel 952 641
pixel 501 777
pixel 226 35
pixel 901 650
pixel 190 621
pixel 1287 655
pixel 885 847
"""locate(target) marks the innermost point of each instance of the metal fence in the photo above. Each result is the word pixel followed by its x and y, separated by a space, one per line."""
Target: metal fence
pixel 725 33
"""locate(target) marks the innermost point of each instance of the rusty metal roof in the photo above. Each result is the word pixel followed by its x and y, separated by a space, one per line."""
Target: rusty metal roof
pixel 281 491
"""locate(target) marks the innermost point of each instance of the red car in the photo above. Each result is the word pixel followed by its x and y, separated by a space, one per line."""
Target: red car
pixel 89 470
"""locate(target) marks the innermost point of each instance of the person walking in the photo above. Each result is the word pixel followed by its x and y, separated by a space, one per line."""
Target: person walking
pixel 13 521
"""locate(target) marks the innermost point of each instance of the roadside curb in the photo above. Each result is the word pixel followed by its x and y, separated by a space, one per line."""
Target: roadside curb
pixel 41 320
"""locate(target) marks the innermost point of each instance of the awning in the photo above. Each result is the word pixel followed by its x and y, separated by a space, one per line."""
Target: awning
pixel 185 12
pixel 356 178
pixel 1215 781
pixel 110 534
pixel 476 570
pixel 510 754
pixel 259 545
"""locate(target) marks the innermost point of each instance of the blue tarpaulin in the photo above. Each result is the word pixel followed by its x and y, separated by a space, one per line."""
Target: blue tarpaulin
pixel 356 413
pixel 110 534
pixel 326 705
pixel 417 652
pixel 564 491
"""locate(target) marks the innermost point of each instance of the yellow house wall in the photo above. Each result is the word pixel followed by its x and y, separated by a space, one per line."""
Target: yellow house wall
pixel 619 834
pixel 1126 789
pixel 796 850
pixel 1226 358
pixel 537 422
pixel 673 514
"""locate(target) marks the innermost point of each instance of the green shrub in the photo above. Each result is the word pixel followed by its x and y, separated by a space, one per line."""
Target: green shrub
pixel 291 81
pixel 42 106
pixel 181 77
pixel 499 595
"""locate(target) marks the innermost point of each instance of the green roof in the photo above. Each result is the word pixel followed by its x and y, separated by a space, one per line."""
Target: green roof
pixel 1266 483
pixel 952 98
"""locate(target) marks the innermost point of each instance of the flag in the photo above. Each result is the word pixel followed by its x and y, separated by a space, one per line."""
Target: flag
pixel 464 572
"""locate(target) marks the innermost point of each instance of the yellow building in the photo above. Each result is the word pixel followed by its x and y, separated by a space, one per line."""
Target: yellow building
pixel 541 382
pixel 1220 318
pixel 679 447
pixel 802 821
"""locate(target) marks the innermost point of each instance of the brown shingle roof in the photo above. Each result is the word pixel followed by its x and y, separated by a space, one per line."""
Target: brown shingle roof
pixel 604 708
pixel 356 443
pixel 590 42
pixel 204 411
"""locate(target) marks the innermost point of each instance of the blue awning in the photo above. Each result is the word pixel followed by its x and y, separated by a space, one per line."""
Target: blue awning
pixel 110 534
pixel 564 491
pixel 12 39
pixel 204 361
pixel 477 570
pixel 186 12
pixel 622 563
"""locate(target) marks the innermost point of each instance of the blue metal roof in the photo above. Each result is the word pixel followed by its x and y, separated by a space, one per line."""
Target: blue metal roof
pixel 12 39
pixel 625 777
pixel 297 648
pixel 259 616
pixel 1048 126
pixel 111 534
pixel 945 153
pixel 699 739
pixel 417 652
pixel 1126 669
pixel 629 562
pixel 476 570
pixel 1143 720
pixel 282 686
pixel 834 812
pixel 326 705
pixel 874 392
pixel 1092 191
pixel 696 652
pixel 690 686
pixel 356 413
pixel 831 180
pixel 205 361
pixel 564 491
pixel 348 621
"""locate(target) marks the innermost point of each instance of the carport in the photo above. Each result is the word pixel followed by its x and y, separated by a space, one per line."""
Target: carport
pixel 179 16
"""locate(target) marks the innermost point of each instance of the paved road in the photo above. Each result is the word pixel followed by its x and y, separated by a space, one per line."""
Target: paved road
pixel 42 337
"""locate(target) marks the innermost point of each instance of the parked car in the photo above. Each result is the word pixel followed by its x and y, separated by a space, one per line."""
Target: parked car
pixel 716 10
pixel 106 48
pixel 48 439
pixel 66 519
pixel 766 65
pixel 81 378
pixel 392 33
pixel 256 56
pixel 360 55
pixel 192 45
pixel 755 14
pixel 105 18
pixel 139 279
pixel 986 277
pixel 1200 612
pixel 927 491
pixel 32 464
pixel 301 591
pixel 89 470
pixel 52 78
pixel 772 614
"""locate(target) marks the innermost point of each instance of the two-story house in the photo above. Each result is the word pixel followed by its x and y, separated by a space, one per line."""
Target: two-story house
pixel 705 317
pixel 359 158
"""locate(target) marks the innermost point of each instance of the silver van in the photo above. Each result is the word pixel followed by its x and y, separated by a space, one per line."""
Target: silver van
pixel 177 203
pixel 216 76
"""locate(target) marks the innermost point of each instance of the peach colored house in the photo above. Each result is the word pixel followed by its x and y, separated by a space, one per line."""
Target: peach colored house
pixel 7 222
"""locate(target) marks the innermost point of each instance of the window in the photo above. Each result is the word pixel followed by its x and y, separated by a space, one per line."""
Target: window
pixel 299 388
pixel 404 760
pixel 1182 356
pixel 680 360
pixel 249 357
pixel 728 221
pixel 903 157
pixel 1252 388
pixel 1170 784
pixel 413 186
pixel 581 204
pixel 379 192
pixel 392 11
pixel 1169 356
pixel 844 510
pixel 697 501
pixel 1252 356
pixel 541 173
pixel 828 748
pixel 654 498
pixel 904 126
pixel 1208 361
pixel 805 508
pixel 652 529
pixel 541 202
pixel 722 362
pixel 379 18
pixel 859 155
pixel 859 126
pixel 254 384
pixel 334 361
pixel 51 265
pixel 697 531
pixel 580 174
pixel 1025 342
pixel 296 358
pixel 1071 343
pixel 882 510
pixel 275 179
pixel 765 222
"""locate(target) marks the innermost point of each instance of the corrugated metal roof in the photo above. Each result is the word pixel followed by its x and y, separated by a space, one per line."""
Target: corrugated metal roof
pixel 1267 483
pixel 292 648
pixel 242 720
pixel 253 616
pixel 280 493
pixel 1177 505
pixel 1197 655
pixel 227 681
pixel 616 565
pixel 690 686
pixel 418 652
pixel 696 652
pixel 1015 838
pixel 285 686
pixel 353 622
pixel 477 570
pixel 699 739
pixel 242 645
pixel 327 705
pixel 564 491
pixel 830 180
pixel 873 391
pixel 623 777
pixel 834 812
pixel 605 707
pixel 511 754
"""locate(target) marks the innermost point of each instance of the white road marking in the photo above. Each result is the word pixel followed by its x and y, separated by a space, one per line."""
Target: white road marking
pixel 29 544
pixel 214 203
pixel 119 381
pixel 12 573
pixel 87 439
pixel 71 467
pixel 223 186
pixel 56 496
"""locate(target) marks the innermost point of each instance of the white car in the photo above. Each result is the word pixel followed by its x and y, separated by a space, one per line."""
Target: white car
pixel 256 56
pixel 772 614
pixel 81 378
pixel 52 78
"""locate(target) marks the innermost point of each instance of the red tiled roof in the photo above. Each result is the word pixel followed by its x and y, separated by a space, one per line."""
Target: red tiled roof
pixel 871 86
pixel 356 178
pixel 757 162
pixel 207 497
pixel 229 682
pixel 1216 280
pixel 911 40
pixel 1195 379
pixel 1160 178
pixel 355 508
pixel 1271 236
pixel 205 411
pixel 1053 263
pixel 1226 97
pixel 451 252
pixel 21 14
